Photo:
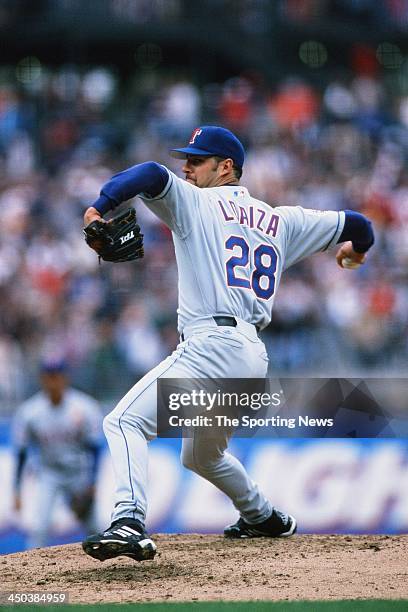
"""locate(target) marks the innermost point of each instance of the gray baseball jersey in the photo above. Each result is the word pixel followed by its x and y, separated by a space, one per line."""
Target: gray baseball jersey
pixel 231 249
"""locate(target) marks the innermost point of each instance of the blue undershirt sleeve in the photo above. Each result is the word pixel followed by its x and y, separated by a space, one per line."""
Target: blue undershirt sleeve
pixel 20 462
pixel 95 451
pixel 358 229
pixel 149 177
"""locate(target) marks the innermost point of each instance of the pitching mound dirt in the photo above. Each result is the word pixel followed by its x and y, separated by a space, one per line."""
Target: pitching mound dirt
pixel 202 567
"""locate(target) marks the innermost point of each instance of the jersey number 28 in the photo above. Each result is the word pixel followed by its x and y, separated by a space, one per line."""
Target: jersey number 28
pixel 265 260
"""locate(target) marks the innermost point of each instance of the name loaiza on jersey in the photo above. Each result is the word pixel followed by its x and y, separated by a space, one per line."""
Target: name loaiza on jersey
pixel 252 217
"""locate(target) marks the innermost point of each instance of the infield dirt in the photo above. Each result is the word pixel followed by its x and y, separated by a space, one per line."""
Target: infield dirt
pixel 208 567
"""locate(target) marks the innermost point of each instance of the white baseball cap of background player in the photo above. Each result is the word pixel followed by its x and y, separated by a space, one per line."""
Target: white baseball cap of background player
pixel 212 140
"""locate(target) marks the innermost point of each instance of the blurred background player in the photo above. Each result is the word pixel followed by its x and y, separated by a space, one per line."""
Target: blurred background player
pixel 63 426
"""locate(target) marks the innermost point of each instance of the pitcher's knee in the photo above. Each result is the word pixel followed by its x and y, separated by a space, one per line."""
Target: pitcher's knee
pixel 201 460
pixel 119 421
pixel 187 459
pixel 110 422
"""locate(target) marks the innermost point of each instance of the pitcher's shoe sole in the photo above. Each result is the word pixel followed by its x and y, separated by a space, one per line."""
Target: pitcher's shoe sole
pixel 102 549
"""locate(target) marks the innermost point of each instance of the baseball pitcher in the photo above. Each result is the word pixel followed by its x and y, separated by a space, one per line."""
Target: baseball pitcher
pixel 231 250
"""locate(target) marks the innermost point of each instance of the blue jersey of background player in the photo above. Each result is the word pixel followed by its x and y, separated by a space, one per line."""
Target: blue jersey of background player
pixel 231 250
pixel 63 427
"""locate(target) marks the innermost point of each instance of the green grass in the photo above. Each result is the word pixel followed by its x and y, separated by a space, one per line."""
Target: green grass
pixel 372 605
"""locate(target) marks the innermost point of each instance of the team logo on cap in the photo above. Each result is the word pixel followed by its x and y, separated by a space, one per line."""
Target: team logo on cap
pixel 194 135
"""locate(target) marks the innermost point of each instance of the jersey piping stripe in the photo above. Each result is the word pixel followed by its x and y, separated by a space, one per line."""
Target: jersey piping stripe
pixel 332 238
pixel 127 408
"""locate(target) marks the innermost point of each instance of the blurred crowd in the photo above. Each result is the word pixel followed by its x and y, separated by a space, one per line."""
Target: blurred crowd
pixel 63 133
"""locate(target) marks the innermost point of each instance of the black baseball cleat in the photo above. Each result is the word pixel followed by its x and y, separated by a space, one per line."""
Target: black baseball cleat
pixel 278 525
pixel 124 537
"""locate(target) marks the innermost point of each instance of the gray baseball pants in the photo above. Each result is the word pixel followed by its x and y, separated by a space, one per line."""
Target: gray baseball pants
pixel 207 351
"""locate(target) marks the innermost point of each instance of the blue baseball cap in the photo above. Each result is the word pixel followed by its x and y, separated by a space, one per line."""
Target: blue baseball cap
pixel 213 140
pixel 53 366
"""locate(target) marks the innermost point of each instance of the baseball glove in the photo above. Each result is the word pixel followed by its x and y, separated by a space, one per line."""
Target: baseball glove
pixel 118 239
pixel 81 503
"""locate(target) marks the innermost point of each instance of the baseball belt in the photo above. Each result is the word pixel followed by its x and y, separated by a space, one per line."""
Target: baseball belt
pixel 224 322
